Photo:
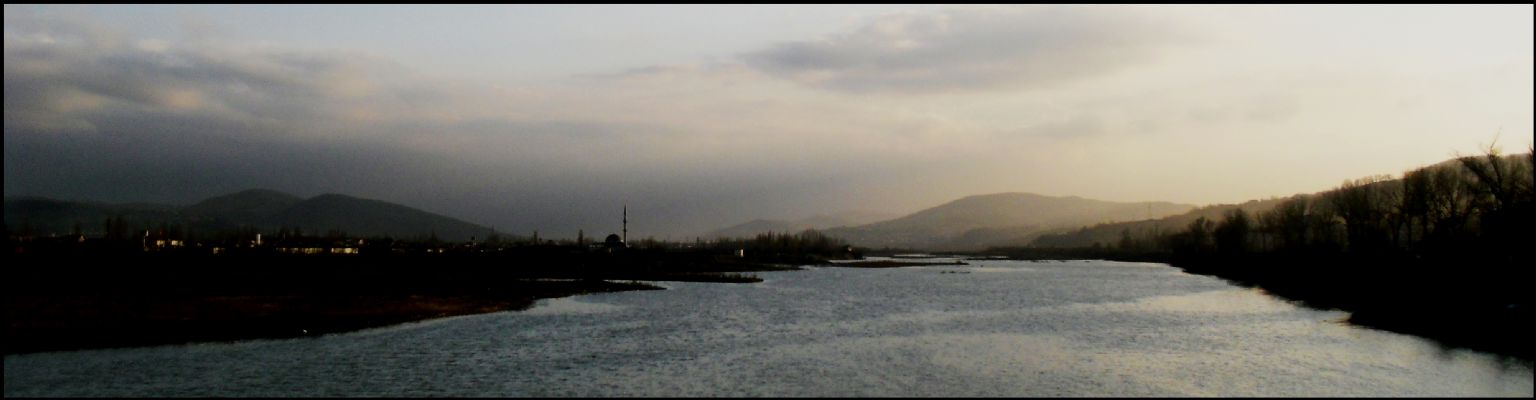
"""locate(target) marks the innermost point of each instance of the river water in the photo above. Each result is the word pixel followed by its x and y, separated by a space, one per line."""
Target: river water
pixel 993 328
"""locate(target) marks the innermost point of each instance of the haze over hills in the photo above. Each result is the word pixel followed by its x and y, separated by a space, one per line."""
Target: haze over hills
pixel 1111 233
pixel 819 222
pixel 257 208
pixel 970 223
pixel 981 221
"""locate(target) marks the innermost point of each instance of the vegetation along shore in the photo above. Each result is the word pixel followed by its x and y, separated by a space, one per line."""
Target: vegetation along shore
pixel 1439 252
pixel 66 295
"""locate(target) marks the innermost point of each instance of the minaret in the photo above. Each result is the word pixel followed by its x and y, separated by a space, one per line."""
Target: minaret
pixel 625 230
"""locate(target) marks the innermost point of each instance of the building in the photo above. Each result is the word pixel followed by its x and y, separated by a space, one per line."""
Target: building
pixel 617 241
pixel 614 242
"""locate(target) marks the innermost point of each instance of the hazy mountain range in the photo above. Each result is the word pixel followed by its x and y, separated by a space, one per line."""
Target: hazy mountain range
pixel 261 209
pixel 970 223
pixel 1110 233
pixel 981 221
pixel 818 222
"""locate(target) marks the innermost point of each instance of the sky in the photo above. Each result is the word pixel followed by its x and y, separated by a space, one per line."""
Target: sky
pixel 553 118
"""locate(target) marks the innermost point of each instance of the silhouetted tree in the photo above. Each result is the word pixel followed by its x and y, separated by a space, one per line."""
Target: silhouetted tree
pixel 1363 205
pixel 1231 235
pixel 1287 223
pixel 1126 242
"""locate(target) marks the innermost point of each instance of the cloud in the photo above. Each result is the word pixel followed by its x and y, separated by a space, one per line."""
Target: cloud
pixel 972 49
pixel 101 115
pixel 114 118
pixel 61 82
pixel 1058 100
pixel 722 70
pixel 94 114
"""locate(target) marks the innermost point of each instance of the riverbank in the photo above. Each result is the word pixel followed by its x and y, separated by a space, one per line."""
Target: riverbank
pixel 1478 303
pixel 75 321
pixel 72 303
pixel 1473 309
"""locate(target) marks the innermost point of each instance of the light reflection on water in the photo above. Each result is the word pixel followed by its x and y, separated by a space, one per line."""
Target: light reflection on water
pixel 1011 328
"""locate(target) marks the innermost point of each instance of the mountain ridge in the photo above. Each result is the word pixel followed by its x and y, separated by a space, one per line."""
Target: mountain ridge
pixel 978 221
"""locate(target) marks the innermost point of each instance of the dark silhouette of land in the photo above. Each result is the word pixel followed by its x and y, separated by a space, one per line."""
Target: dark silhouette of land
pixel 1438 253
pixel 1441 252
pixel 254 210
pixel 192 304
pixel 67 293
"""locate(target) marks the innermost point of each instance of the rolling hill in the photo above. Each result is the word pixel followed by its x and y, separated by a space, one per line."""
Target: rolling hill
pixel 981 221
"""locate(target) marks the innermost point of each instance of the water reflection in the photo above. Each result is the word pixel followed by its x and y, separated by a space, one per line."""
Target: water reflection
pixel 1010 329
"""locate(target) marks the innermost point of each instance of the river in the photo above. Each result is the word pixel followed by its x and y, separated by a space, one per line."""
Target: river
pixel 993 328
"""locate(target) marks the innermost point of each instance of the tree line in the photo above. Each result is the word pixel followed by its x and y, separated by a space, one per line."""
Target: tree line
pixel 1470 206
pixel 1438 252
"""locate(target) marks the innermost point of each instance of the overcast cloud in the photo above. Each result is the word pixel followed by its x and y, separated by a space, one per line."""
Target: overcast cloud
pixel 973 49
pixel 889 111
pixel 92 116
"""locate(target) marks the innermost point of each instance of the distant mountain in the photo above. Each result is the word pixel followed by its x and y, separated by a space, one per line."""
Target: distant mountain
pixel 819 222
pixel 245 207
pixel 978 222
pixel 373 217
pixel 265 210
